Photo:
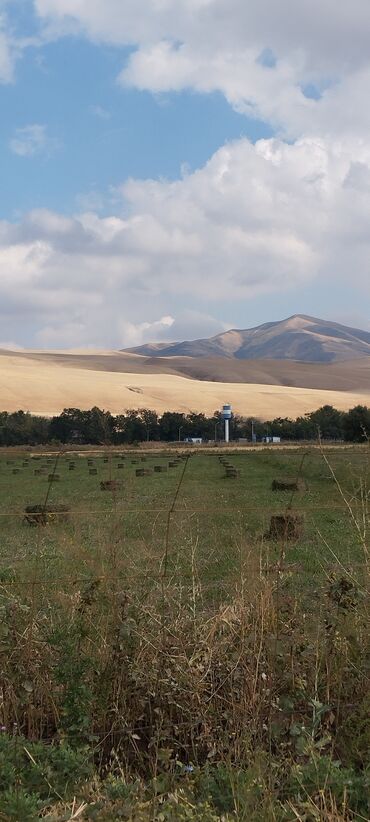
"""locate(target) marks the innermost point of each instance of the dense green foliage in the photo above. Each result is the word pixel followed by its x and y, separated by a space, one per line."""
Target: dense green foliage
pixel 97 427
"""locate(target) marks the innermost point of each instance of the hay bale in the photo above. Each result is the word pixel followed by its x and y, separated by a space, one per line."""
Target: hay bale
pixel 289 484
pixel 120 465
pixel 288 527
pixel 54 478
pixel 144 472
pixel 110 485
pixel 232 473
pixel 42 515
pixel 93 472
pixel 16 471
pixel 160 469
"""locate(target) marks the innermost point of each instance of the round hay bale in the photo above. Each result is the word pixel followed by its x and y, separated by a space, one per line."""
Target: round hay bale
pixel 288 527
pixel 93 472
pixel 289 484
pixel 16 471
pixel 54 478
pixel 160 469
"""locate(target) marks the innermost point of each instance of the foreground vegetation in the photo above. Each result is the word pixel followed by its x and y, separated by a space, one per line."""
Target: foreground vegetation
pixel 163 659
pixel 97 427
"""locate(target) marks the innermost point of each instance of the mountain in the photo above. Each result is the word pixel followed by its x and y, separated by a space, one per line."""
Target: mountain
pixel 300 338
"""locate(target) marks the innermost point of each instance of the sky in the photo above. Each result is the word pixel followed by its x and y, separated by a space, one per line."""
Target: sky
pixel 173 168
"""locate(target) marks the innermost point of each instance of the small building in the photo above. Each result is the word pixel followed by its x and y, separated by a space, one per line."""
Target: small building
pixel 272 440
pixel 194 440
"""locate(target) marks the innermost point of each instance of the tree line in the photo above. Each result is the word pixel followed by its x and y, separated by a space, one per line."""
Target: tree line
pixel 97 427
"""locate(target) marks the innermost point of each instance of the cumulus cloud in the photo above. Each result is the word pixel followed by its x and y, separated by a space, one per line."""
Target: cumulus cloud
pixel 255 219
pixel 135 334
pixel 300 66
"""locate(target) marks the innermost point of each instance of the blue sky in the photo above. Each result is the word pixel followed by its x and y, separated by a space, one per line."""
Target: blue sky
pixel 102 132
pixel 173 169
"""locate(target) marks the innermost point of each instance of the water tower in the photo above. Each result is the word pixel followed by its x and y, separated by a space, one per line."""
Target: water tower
pixel 226 416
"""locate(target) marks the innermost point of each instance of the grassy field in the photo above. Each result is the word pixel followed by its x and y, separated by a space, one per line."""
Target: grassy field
pixel 217 525
pixel 160 639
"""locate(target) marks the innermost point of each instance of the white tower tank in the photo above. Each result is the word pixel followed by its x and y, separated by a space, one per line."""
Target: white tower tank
pixel 226 416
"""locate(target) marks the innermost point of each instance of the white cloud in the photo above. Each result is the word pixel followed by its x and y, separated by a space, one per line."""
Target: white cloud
pixel 135 334
pixel 210 45
pixel 10 48
pixel 9 345
pixel 32 140
pixel 256 219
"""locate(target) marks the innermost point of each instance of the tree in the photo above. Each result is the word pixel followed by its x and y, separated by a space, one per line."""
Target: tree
pixel 328 422
pixel 356 424
pixel 69 426
pixel 99 427
pixel 150 420
pixel 172 426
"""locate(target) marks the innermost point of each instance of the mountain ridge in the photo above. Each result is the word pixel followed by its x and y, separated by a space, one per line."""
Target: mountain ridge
pixel 300 338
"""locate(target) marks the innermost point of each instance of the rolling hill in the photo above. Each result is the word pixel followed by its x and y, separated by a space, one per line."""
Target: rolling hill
pixel 300 337
pixel 46 382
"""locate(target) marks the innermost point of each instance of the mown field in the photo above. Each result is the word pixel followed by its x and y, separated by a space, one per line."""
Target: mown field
pixel 163 656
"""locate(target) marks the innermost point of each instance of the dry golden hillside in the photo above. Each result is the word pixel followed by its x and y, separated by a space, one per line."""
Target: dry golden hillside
pixel 48 382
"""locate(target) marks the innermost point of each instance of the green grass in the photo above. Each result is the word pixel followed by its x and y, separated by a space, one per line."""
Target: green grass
pixel 217 525
pixel 161 658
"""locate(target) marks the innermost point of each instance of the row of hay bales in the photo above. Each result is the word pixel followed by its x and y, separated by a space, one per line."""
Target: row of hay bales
pixel 231 472
pixel 37 514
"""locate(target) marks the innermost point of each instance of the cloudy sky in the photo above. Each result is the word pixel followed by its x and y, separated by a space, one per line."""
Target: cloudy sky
pixel 171 168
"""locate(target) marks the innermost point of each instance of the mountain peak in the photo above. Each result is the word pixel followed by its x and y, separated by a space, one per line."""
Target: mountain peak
pixel 299 337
